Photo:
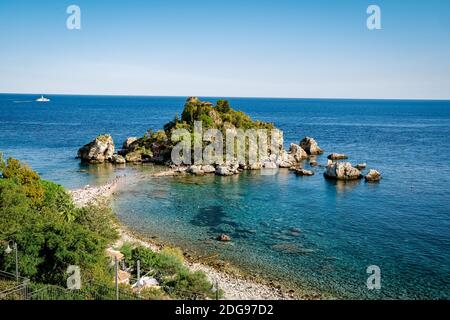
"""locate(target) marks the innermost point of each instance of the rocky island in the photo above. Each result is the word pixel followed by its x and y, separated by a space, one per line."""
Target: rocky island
pixel 157 147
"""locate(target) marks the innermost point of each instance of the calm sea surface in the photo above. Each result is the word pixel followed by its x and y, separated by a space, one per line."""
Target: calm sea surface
pixel 307 232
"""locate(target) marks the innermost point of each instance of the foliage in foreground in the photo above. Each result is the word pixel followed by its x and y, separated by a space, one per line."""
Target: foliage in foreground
pixel 167 266
pixel 50 232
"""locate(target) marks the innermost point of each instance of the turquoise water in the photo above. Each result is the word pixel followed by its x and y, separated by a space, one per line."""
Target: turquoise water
pixel 305 231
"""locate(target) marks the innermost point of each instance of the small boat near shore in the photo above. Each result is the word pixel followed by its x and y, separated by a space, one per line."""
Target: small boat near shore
pixel 42 99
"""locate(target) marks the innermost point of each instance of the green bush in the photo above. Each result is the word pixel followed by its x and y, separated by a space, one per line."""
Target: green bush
pixel 215 117
pixel 153 294
pixel 223 106
pixel 56 199
pixel 207 121
pixel 169 269
pixel 25 177
pixel 100 220
pixel 104 137
pixel 67 244
pixel 188 285
pixel 53 235
pixel 159 136
pixel 127 250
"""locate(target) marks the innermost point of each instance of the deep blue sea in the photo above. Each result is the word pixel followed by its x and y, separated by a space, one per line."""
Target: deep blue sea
pixel 306 232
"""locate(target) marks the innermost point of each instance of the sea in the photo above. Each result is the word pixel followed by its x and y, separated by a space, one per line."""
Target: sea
pixel 322 238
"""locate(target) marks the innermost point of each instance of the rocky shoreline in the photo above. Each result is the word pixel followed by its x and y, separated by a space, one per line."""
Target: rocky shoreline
pixel 234 285
pixel 94 195
pixel 102 149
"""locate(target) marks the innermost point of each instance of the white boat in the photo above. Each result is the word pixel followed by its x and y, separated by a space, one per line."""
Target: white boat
pixel 42 99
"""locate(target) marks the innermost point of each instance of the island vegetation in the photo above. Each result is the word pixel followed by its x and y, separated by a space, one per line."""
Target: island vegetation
pixel 157 146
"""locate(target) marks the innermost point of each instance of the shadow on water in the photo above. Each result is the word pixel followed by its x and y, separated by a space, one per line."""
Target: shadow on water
pixel 341 186
pixel 218 222
pixel 210 216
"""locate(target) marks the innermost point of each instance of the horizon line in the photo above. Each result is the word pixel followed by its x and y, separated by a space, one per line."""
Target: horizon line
pixel 219 96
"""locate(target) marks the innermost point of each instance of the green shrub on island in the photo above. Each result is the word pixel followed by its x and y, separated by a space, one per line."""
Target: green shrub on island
pixel 219 116
pixel 104 137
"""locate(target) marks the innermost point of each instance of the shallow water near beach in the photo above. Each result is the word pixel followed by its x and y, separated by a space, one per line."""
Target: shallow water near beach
pixel 306 232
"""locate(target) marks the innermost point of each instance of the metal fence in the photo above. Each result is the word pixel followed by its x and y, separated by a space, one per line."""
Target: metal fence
pixel 13 287
pixel 90 291
pixel 19 288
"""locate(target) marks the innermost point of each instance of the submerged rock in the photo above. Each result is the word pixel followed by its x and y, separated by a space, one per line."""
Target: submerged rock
pixel 342 171
pixel 337 156
pixel 292 248
pixel 373 176
pixel 224 237
pixel 97 151
pixel 310 146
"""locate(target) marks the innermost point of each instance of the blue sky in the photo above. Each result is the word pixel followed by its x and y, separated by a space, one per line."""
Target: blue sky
pixel 227 48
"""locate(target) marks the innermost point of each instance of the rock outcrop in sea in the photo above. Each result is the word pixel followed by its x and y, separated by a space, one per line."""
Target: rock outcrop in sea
pixel 342 171
pixel 337 156
pixel 118 159
pixel 361 166
pixel 156 147
pixel 372 176
pixel 223 237
pixel 303 172
pixel 99 150
pixel 297 152
pixel 310 146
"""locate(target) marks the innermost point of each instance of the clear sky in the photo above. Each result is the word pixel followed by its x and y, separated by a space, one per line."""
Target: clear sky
pixel 226 48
